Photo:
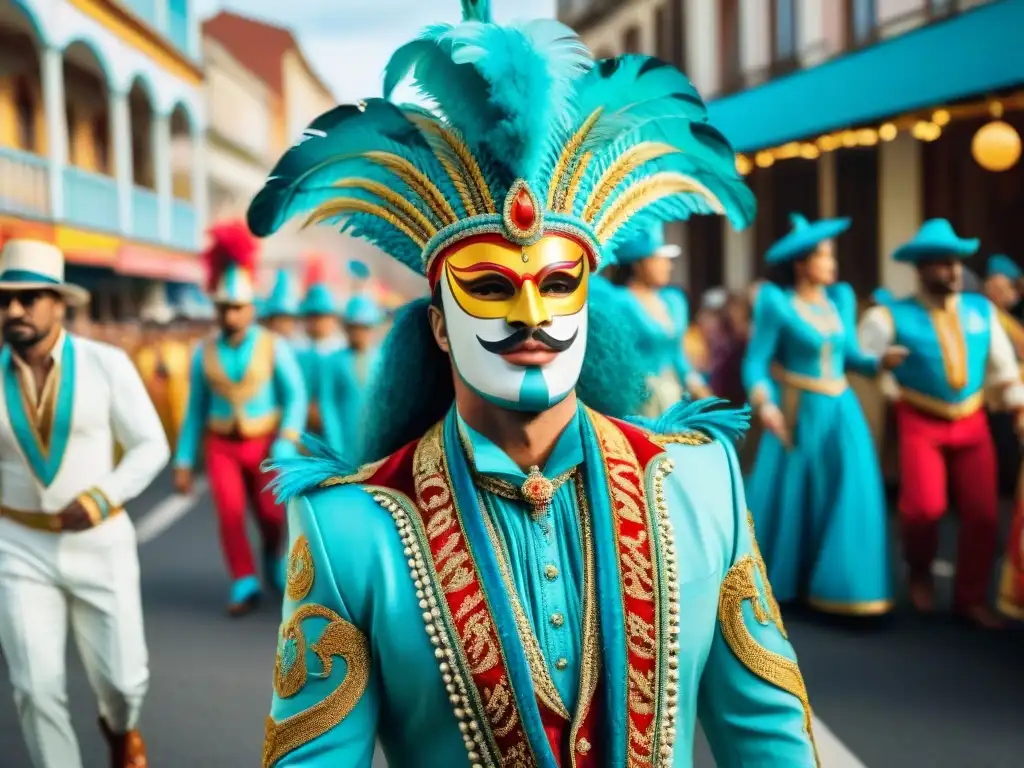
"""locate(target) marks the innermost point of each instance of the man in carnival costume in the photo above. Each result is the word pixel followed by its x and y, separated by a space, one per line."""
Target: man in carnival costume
pixel 330 384
pixel 580 614
pixel 363 316
pixel 958 348
pixel 279 311
pixel 247 399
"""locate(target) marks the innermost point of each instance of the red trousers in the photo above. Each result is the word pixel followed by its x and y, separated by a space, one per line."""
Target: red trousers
pixel 233 469
pixel 936 455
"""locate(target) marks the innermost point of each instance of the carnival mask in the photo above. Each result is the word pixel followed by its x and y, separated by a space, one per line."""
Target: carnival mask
pixel 517 318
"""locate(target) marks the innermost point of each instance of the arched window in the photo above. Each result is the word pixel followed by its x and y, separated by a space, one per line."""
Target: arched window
pixel 25 109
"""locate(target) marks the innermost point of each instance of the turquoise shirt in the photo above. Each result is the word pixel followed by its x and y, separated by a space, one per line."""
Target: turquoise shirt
pixel 250 390
pixel 939 371
pixel 332 387
pixel 544 556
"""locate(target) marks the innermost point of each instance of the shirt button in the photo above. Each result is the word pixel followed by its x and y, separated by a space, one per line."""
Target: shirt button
pixel 551 572
pixel 561 664
pixel 557 619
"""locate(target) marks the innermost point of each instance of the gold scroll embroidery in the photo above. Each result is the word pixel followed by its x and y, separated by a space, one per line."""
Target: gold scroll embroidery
pixel 365 472
pixel 300 574
pixel 775 613
pixel 739 586
pixel 339 638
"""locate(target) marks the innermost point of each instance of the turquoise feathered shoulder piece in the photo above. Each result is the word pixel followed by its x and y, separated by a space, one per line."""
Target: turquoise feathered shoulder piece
pixel 298 475
pixel 709 417
pixel 526 136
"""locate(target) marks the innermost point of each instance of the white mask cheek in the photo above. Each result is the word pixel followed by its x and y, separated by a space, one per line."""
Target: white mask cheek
pixel 485 372
pixel 563 373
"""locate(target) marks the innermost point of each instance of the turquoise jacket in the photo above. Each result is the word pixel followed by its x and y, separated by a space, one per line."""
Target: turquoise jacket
pixel 250 391
pixel 332 387
pixel 809 345
pixel 926 371
pixel 660 339
pixel 410 615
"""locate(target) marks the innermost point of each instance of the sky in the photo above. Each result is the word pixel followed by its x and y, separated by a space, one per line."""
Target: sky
pixel 348 42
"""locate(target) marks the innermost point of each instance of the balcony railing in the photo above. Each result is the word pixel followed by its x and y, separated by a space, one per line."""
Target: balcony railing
pixel 145 214
pixel 90 199
pixel 183 225
pixel 24 183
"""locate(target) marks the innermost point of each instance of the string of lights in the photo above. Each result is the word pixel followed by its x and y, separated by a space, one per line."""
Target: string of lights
pixel 996 146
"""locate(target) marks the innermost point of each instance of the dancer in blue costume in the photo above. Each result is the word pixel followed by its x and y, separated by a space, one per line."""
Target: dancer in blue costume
pixel 659 315
pixel 333 395
pixel 581 614
pixel 279 310
pixel 820 505
pixel 363 318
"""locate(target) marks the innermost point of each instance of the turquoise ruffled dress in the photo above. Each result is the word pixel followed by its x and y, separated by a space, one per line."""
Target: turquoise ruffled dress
pixel 818 504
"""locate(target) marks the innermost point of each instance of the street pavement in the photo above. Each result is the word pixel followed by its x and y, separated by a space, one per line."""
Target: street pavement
pixel 906 692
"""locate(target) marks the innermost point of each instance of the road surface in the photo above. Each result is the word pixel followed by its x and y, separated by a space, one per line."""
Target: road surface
pixel 910 692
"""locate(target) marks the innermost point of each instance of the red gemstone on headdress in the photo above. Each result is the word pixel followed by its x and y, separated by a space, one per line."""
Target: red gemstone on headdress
pixel 523 212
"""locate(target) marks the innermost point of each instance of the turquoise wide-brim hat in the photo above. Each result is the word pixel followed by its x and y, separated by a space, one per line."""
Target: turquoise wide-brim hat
pixel 804 237
pixel 319 301
pixel 363 310
pixel 283 300
pixel 644 244
pixel 936 240
pixel 1001 264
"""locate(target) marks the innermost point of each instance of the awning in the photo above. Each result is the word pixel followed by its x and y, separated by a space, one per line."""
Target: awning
pixel 975 52
pixel 157 264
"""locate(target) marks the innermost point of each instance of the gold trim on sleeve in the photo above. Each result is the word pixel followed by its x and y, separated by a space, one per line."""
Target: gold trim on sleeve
pixel 365 472
pixel 339 638
pixel 738 587
pixel 299 578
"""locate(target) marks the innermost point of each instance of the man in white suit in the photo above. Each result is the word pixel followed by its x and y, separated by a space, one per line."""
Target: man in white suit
pixel 68 554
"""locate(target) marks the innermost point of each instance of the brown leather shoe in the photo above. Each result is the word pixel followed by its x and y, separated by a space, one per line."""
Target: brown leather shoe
pixel 127 750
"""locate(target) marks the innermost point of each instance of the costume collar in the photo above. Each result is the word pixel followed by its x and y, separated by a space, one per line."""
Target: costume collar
pixel 331 343
pixel 946 303
pixel 488 459
pixel 250 334
pixel 56 352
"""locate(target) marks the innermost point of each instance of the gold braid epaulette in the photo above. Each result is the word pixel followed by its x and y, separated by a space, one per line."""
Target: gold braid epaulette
pixel 362 474
pixel 690 437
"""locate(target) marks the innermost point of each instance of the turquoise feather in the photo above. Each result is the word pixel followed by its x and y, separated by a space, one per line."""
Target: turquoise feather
pixel 707 416
pixel 476 10
pixel 514 96
pixel 300 475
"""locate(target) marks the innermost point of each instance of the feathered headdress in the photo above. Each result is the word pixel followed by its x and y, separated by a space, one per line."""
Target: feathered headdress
pixel 231 263
pixel 527 136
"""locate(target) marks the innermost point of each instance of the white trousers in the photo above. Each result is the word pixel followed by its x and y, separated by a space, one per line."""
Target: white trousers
pixel 88 581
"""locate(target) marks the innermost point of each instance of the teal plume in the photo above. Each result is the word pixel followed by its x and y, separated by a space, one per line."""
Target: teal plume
pixel 358 269
pixel 602 149
pixel 709 416
pixel 476 10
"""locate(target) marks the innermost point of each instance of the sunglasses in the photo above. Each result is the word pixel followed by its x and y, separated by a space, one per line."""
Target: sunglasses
pixel 26 299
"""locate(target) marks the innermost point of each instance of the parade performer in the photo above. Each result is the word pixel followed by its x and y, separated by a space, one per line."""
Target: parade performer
pixel 574 614
pixel 363 317
pixel 279 311
pixel 820 508
pixel 163 362
pixel 68 556
pixel 957 348
pixel 247 398
pixel 327 370
pixel 1001 280
pixel 659 315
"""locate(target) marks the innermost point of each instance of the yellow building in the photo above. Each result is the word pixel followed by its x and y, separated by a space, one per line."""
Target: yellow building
pixel 258 70
pixel 93 94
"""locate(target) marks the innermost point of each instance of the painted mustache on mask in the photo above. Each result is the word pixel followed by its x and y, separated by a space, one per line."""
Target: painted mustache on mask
pixel 524 335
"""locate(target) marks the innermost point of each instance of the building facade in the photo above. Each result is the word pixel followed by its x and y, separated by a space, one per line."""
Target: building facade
pixel 94 96
pixel 872 109
pixel 261 94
